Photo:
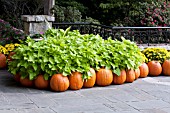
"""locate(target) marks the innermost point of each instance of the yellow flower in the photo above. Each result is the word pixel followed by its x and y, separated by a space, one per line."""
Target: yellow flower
pixel 3 50
pixel 16 44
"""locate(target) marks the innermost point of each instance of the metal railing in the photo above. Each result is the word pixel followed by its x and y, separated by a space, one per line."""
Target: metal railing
pixel 140 35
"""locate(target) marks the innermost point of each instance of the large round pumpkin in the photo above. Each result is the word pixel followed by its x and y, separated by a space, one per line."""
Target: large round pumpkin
pixel 40 82
pixel 119 79
pixel 104 77
pixel 2 60
pixel 144 70
pixel 166 67
pixel 59 82
pixel 137 73
pixel 130 75
pixel 26 82
pixel 17 77
pixel 90 82
pixel 155 68
pixel 76 81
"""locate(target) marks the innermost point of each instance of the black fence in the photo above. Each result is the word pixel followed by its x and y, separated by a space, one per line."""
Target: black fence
pixel 140 35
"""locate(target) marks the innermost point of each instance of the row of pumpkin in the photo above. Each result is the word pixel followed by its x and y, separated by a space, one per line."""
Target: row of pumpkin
pixel 102 77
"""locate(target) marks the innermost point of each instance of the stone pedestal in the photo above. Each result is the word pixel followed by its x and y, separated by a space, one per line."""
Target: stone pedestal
pixel 35 24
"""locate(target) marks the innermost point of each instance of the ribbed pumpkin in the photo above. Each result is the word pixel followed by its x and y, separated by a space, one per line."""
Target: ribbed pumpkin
pixel 90 82
pixel 76 81
pixel 144 70
pixel 166 67
pixel 130 75
pixel 155 68
pixel 17 77
pixel 104 77
pixel 59 82
pixel 2 61
pixel 40 82
pixel 119 79
pixel 26 82
pixel 137 73
pixel 9 58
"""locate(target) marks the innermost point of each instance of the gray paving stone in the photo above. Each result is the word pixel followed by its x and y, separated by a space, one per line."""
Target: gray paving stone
pixel 86 101
pixel 8 111
pixel 161 95
pixel 149 104
pixel 41 100
pixel 81 108
pixel 63 95
pixel 125 97
pixel 153 111
pixel 119 106
pixel 36 110
pixel 101 92
pixel 167 110
pixel 17 101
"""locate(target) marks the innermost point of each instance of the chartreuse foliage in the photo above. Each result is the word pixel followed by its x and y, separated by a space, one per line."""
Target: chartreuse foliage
pixel 65 51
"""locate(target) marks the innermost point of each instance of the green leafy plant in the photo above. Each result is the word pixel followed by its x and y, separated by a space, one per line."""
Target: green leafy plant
pixel 65 51
pixel 158 54
pixel 120 55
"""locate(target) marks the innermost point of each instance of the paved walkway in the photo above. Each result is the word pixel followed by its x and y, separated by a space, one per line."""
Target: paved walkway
pixel 146 95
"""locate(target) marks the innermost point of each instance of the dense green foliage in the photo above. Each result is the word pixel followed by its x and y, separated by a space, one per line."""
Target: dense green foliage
pixel 107 12
pixel 68 51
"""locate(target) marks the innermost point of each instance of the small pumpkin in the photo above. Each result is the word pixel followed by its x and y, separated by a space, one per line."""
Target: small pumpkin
pixel 90 82
pixel 2 61
pixel 155 68
pixel 104 77
pixel 130 75
pixel 40 82
pixel 9 58
pixel 144 70
pixel 137 73
pixel 59 83
pixel 17 77
pixel 119 79
pixel 166 67
pixel 76 80
pixel 26 82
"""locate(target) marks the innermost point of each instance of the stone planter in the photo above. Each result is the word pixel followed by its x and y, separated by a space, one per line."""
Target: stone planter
pixel 35 24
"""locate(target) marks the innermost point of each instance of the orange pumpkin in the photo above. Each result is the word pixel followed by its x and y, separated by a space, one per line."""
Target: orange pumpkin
pixel 104 77
pixel 2 61
pixel 76 81
pixel 119 79
pixel 137 73
pixel 9 58
pixel 59 82
pixel 144 70
pixel 26 82
pixel 40 82
pixel 130 75
pixel 90 82
pixel 166 67
pixel 17 77
pixel 155 68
